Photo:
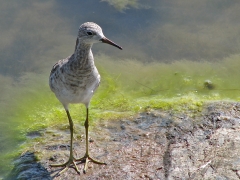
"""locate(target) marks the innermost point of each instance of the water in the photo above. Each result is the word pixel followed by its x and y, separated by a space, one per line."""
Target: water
pixel 173 50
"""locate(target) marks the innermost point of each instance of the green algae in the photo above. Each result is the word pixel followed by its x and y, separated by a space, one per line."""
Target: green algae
pixel 127 87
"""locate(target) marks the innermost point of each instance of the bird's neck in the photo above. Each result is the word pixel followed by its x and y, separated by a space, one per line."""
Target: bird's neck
pixel 83 55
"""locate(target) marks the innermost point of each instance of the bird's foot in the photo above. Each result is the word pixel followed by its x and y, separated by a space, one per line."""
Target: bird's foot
pixel 67 165
pixel 86 158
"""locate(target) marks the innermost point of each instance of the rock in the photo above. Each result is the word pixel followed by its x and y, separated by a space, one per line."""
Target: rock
pixel 154 145
pixel 26 168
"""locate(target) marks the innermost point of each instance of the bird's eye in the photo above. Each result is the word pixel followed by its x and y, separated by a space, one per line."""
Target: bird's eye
pixel 89 33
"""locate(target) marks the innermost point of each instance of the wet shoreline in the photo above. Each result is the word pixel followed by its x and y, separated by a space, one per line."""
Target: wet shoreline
pixel 153 145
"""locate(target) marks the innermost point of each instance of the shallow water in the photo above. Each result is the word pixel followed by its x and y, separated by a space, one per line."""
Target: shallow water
pixel 184 51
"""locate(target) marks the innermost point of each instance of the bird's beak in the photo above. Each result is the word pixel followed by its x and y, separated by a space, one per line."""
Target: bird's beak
pixel 106 40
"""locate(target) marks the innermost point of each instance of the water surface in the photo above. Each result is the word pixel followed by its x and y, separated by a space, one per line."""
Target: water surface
pixel 171 49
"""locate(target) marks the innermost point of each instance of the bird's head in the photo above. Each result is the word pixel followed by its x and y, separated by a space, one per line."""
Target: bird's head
pixel 90 33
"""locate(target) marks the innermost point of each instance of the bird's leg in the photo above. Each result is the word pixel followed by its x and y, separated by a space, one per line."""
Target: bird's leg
pixel 71 159
pixel 86 157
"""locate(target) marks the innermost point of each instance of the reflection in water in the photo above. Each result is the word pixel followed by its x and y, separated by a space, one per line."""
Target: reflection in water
pixel 123 5
pixel 36 34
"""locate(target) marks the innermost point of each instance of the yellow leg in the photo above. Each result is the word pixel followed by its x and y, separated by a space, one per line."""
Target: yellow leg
pixel 71 159
pixel 86 158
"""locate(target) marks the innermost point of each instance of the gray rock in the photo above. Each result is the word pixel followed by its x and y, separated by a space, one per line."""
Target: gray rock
pixel 154 145
pixel 26 168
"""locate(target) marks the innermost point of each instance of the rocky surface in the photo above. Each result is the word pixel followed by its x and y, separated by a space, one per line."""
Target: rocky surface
pixel 153 145
pixel 27 167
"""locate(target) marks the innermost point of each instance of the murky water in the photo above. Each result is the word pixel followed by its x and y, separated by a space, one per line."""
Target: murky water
pixel 171 49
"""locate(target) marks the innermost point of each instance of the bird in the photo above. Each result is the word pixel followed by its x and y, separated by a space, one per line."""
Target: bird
pixel 74 80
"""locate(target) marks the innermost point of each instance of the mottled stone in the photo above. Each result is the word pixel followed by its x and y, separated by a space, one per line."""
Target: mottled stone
pixel 26 167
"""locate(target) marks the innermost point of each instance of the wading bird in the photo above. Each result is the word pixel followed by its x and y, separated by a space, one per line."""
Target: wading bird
pixel 75 79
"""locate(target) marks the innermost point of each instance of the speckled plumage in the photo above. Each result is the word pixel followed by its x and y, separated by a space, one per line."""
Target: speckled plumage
pixel 75 79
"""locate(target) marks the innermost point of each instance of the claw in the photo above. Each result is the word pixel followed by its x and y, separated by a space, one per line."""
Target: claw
pixel 87 159
pixel 66 166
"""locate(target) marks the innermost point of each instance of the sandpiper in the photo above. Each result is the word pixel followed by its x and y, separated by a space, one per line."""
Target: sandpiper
pixel 75 79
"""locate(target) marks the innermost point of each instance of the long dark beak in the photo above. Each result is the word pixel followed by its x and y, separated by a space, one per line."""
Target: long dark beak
pixel 106 40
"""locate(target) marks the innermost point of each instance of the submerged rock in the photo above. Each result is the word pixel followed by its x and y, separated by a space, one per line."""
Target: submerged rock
pixel 209 84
